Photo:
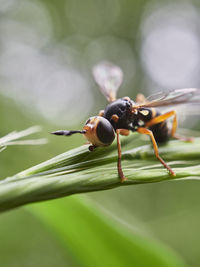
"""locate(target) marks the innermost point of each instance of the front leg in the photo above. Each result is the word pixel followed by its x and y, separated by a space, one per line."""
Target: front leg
pixel 119 168
pixel 91 148
pixel 101 113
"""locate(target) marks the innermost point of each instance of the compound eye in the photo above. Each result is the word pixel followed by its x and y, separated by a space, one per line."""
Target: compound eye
pixel 105 131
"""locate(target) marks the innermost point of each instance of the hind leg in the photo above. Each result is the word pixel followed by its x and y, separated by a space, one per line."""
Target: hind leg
pixel 164 117
pixel 155 147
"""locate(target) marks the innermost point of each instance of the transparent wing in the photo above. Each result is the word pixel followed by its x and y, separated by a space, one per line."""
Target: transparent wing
pixel 109 78
pixel 175 97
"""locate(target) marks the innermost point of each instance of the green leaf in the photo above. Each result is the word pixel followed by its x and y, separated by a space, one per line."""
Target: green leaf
pixel 96 239
pixel 79 170
pixel 12 138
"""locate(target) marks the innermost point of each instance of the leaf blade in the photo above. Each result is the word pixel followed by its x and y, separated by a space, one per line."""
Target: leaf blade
pixel 85 230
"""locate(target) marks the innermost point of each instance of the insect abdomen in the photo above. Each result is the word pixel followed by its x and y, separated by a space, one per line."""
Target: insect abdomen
pixel 160 130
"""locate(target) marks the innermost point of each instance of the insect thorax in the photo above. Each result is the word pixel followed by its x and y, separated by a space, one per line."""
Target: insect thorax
pixel 141 116
pixel 122 108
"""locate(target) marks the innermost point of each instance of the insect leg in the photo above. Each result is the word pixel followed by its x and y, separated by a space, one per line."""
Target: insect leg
pixel 91 147
pixel 127 98
pixel 124 132
pixel 115 118
pixel 101 113
pixel 183 138
pixel 173 132
pixel 120 172
pixel 164 117
pixel 140 98
pixel 155 147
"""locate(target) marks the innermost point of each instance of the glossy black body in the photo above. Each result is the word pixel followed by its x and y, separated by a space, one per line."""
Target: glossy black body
pixel 161 130
pixel 132 121
pixel 105 131
pixel 122 108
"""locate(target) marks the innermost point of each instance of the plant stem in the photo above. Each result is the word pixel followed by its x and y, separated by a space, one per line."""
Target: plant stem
pixel 79 171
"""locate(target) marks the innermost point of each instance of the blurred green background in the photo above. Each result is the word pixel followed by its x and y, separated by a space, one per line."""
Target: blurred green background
pixel 47 50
